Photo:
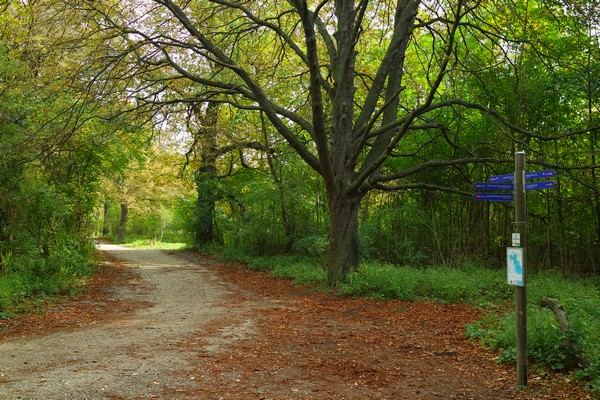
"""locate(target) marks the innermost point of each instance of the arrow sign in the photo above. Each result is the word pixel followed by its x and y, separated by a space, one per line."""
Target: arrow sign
pixel 502 178
pixel 494 196
pixel 540 185
pixel 540 174
pixel 493 186
pixel 528 175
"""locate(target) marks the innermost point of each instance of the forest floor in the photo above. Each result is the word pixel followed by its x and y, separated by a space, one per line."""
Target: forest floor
pixel 177 325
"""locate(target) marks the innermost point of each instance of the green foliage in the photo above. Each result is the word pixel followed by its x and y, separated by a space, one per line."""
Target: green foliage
pixel 53 149
pixel 313 246
pixel 183 219
pixel 250 215
pixel 301 272
pixel 228 253
pixel 380 281
pixel 41 256
pixel 541 79
pixel 56 140
pixel 7 296
pixel 390 234
pixel 36 275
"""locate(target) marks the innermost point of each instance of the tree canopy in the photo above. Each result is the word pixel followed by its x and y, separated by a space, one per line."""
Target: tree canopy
pixel 355 115
pixel 372 95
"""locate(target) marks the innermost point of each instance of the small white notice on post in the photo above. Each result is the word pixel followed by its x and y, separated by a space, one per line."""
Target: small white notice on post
pixel 514 265
pixel 516 239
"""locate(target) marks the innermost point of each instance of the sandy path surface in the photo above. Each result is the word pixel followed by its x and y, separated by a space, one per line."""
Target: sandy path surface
pixel 134 355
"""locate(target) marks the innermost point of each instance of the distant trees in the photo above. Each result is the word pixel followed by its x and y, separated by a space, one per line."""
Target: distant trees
pixel 144 194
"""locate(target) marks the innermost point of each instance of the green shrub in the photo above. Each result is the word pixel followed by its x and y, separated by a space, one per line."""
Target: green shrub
pixel 42 253
pixel 228 253
pixel 581 300
pixel 381 281
pixel 301 273
pixel 314 246
pixel 302 270
pixel 6 296
pixel 388 235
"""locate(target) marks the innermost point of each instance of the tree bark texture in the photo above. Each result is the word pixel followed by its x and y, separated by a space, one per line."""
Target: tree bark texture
pixel 343 238
pixel 206 175
pixel 105 224
pixel 122 223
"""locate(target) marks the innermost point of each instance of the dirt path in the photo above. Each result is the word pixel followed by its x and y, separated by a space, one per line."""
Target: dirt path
pixel 135 355
pixel 176 325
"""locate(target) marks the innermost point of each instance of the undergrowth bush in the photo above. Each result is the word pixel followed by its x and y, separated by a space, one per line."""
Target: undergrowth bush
pixel 314 246
pixel 581 300
pixel 41 254
pixel 6 296
pixel 302 270
pixel 36 275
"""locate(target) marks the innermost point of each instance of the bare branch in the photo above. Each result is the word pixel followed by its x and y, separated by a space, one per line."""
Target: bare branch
pixel 438 164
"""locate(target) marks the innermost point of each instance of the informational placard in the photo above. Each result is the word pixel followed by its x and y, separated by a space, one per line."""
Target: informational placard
pixel 514 266
pixel 516 240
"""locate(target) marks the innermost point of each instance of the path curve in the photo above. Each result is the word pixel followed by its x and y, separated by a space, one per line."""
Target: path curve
pixel 132 355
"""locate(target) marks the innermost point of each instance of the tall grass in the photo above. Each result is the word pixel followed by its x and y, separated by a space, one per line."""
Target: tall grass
pixel 470 284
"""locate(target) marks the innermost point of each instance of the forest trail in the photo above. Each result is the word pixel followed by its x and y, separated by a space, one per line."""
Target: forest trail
pixel 177 325
pixel 137 353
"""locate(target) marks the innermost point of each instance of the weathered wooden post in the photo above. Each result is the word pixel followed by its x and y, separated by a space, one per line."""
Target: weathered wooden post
pixel 521 290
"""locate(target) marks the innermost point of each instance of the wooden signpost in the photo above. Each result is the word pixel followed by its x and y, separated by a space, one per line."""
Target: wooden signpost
pixel 516 260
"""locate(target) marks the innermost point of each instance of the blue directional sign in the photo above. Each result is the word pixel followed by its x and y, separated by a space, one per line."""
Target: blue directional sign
pixel 540 174
pixel 528 175
pixel 502 178
pixel 496 182
pixel 540 185
pixel 493 186
pixel 494 196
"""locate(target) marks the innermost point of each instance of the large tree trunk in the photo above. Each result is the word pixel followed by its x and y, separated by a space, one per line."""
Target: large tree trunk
pixel 206 142
pixel 122 223
pixel 105 222
pixel 205 209
pixel 343 238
